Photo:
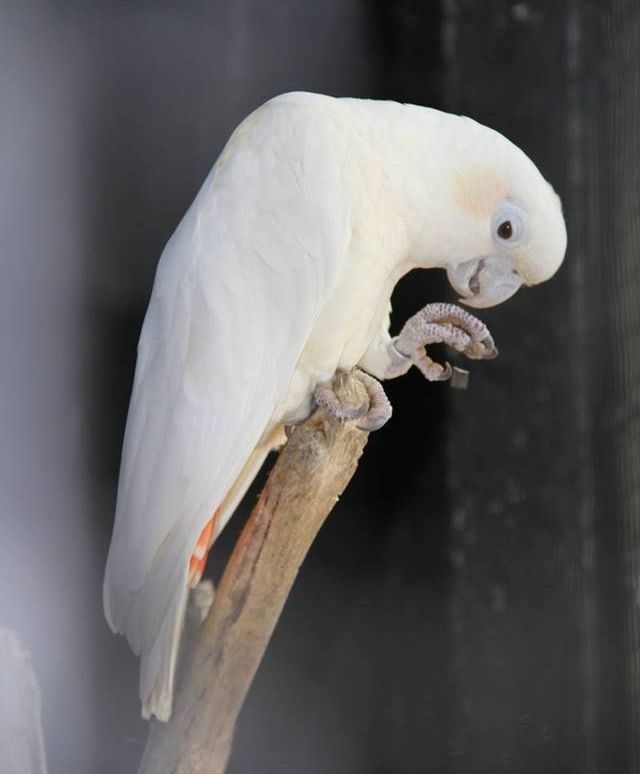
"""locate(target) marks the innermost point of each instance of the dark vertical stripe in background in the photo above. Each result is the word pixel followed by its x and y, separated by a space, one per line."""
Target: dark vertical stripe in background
pixel 621 409
pixel 544 491
pixel 522 617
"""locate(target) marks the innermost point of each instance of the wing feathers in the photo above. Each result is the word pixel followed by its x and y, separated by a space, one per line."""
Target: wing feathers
pixel 237 291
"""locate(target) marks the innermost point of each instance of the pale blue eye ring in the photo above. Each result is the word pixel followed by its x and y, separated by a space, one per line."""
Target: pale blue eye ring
pixel 509 224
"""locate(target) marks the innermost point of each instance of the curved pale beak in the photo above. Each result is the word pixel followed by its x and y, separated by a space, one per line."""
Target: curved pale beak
pixel 484 282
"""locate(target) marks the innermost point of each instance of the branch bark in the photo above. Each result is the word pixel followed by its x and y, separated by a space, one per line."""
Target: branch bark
pixel 310 474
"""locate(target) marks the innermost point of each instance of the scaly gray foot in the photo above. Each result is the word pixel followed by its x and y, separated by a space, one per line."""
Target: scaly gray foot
pixel 443 324
pixel 371 414
pixel 325 397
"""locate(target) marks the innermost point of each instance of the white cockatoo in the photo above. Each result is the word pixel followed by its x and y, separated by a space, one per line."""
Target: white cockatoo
pixel 279 275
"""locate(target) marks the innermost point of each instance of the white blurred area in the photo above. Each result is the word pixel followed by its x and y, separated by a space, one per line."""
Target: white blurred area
pixel 49 552
pixel 21 740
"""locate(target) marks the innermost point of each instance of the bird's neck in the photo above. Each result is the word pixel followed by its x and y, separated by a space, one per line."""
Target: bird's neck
pixel 408 156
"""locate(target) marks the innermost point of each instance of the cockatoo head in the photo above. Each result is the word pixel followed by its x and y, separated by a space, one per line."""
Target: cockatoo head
pixel 511 229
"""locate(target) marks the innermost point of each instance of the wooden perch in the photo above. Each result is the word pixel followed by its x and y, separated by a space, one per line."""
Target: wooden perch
pixel 310 474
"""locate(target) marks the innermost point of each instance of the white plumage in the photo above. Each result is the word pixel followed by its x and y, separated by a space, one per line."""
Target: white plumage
pixel 279 274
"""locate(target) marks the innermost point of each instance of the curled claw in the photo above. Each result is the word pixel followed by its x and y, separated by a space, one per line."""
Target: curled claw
pixel 380 409
pixel 481 350
pixel 432 371
pixel 447 372
pixel 491 351
pixel 443 373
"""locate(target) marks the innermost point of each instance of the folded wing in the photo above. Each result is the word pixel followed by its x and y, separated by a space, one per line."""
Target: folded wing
pixel 237 291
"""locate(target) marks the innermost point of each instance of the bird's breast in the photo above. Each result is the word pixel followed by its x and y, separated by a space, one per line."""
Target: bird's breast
pixel 350 319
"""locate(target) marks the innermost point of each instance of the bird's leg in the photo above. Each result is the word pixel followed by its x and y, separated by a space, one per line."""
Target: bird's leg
pixel 372 414
pixel 388 358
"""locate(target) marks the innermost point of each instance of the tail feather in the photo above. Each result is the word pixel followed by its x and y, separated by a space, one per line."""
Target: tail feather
pixel 158 667
pixel 160 651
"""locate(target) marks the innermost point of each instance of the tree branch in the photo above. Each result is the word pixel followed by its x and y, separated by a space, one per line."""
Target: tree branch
pixel 310 474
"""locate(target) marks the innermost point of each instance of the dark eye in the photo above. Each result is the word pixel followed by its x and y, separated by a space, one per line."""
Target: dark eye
pixel 509 225
pixel 505 230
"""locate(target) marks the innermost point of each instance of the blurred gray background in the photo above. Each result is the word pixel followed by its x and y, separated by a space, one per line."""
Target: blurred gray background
pixel 471 605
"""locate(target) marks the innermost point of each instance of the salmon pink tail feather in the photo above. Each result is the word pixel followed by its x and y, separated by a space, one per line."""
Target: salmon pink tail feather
pixel 198 559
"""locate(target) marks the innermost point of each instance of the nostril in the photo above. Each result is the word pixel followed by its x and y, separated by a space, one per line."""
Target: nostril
pixel 474 281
